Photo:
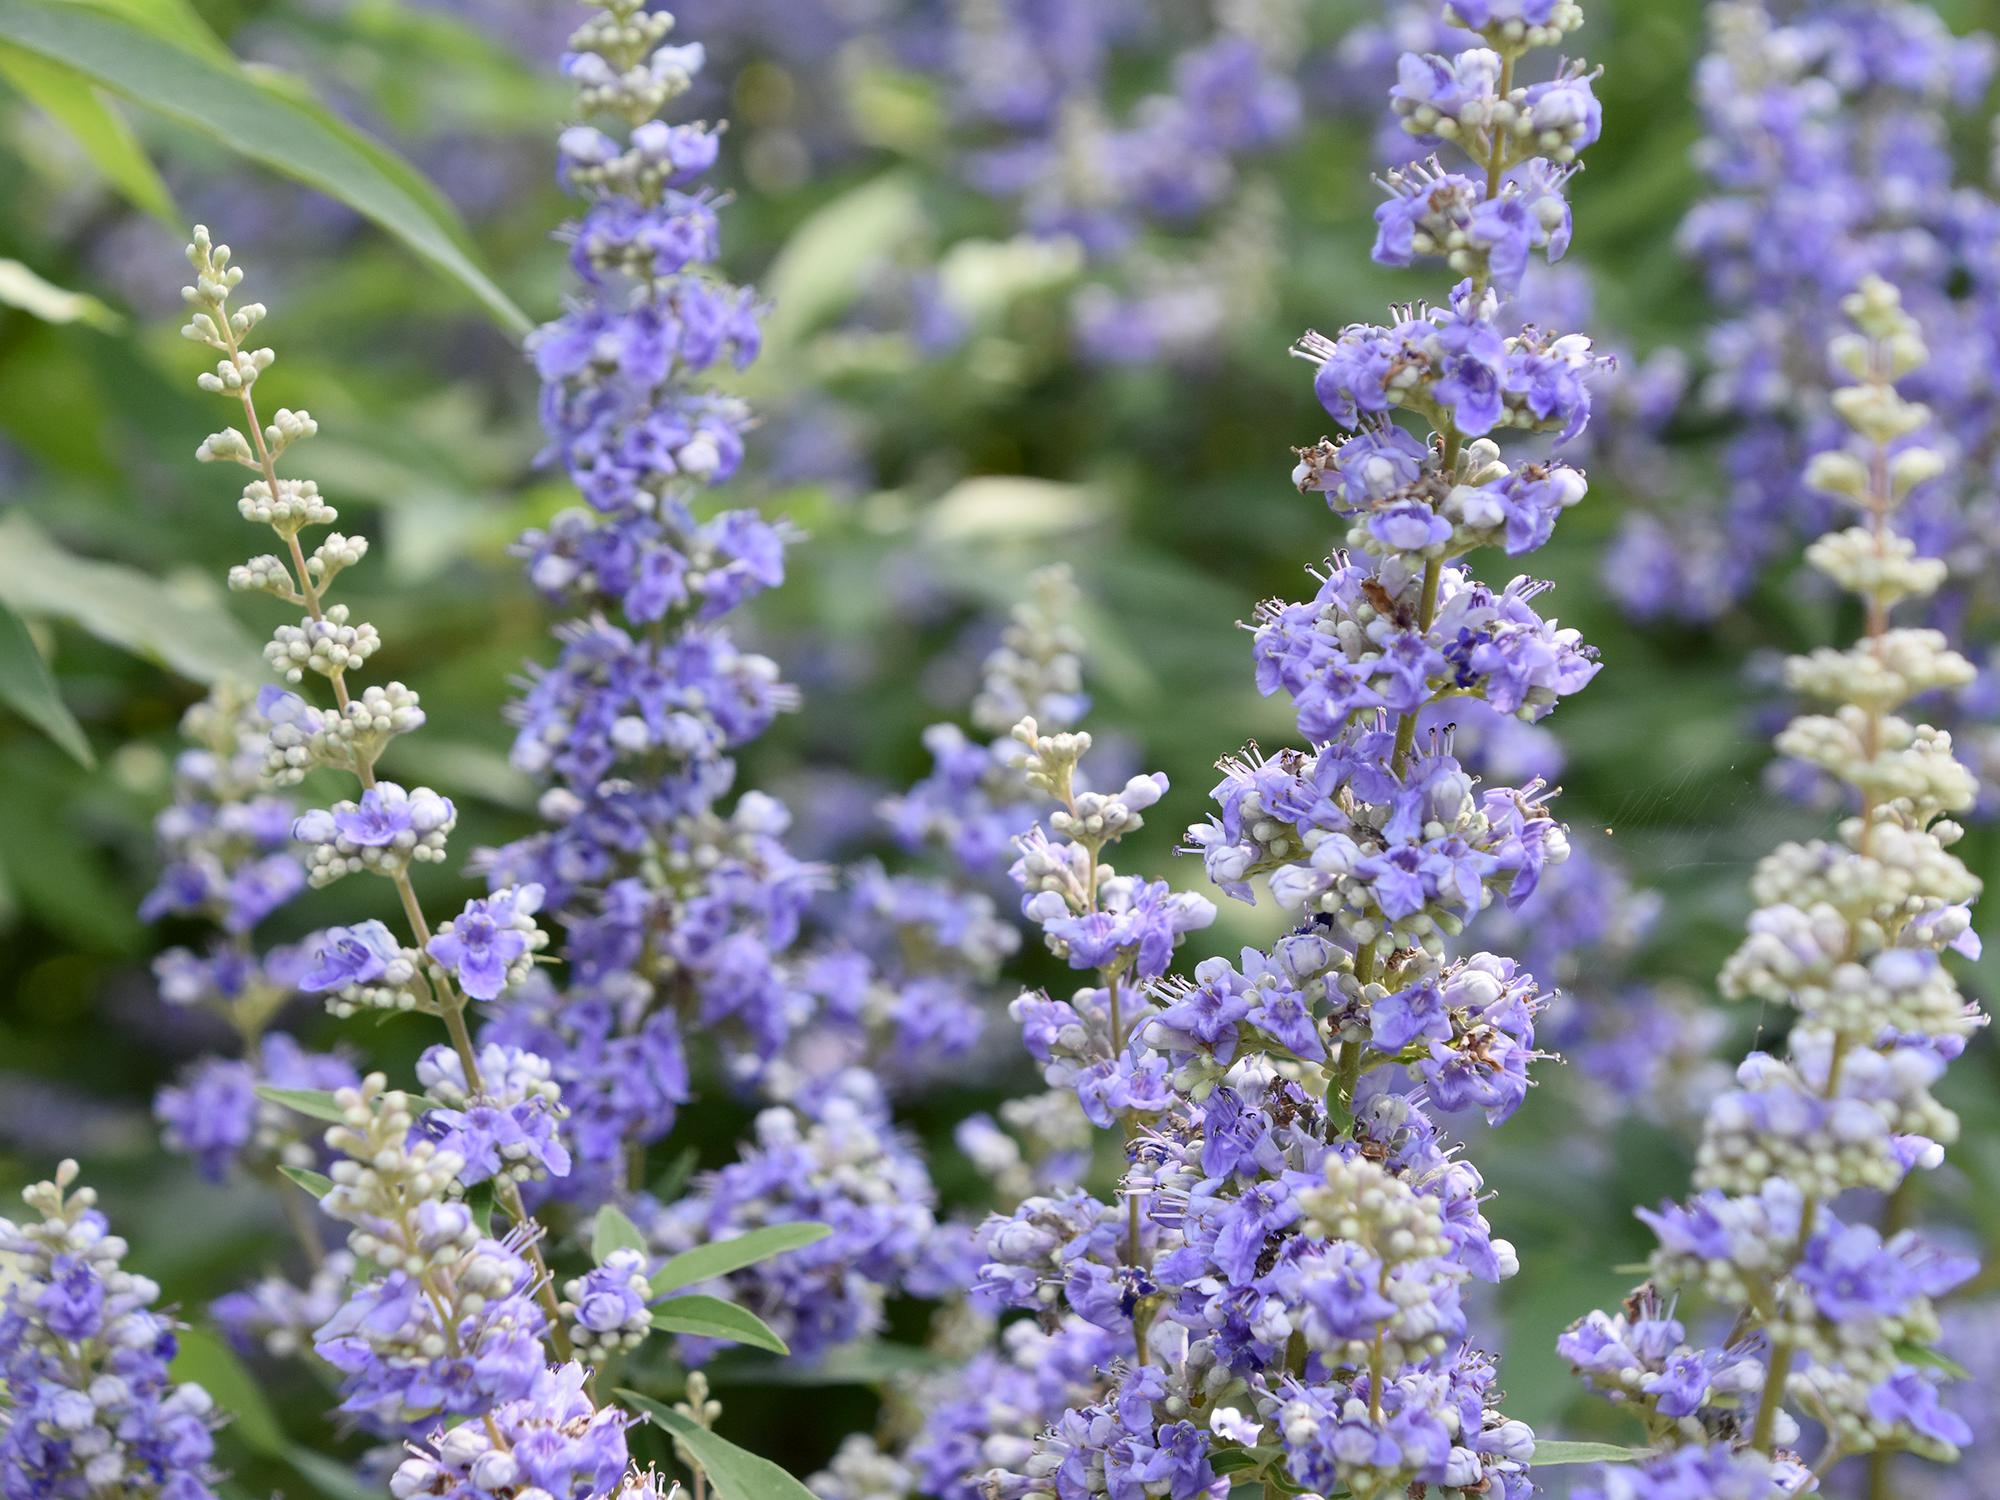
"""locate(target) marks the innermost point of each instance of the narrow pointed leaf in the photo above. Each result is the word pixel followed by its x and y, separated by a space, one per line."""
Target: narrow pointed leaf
pixel 27 687
pixel 720 1257
pixel 21 287
pixel 1552 1451
pixel 225 104
pixel 100 132
pixel 123 606
pixel 175 20
pixel 736 1473
pixel 1913 1353
pixel 316 1183
pixel 712 1318
pixel 316 1104
pixel 613 1231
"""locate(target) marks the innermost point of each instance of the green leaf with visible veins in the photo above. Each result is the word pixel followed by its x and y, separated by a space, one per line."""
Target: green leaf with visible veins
pixel 224 102
pixel 720 1257
pixel 712 1318
pixel 192 634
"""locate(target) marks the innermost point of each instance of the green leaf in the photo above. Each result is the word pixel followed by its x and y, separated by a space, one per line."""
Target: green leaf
pixel 986 509
pixel 736 1473
pixel 28 689
pixel 668 1185
pixel 823 264
pixel 479 1199
pixel 720 1257
pixel 613 1231
pixel 99 131
pixel 260 122
pixel 329 1476
pixel 211 1364
pixel 176 21
pixel 712 1318
pixel 1236 1460
pixel 1551 1451
pixel 316 1183
pixel 20 287
pixel 191 634
pixel 1911 1353
pixel 315 1103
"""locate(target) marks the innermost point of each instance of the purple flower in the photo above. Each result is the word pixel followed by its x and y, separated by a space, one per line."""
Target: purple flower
pixel 350 955
pixel 485 942
pixel 1909 1399
pixel 1399 1019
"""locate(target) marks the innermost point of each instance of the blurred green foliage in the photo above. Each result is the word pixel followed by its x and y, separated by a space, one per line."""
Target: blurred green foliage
pixel 1167 487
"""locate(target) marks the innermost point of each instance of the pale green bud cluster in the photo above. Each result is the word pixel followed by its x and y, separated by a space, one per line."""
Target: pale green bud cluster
pixel 393 1183
pixel 1839 1399
pixel 1050 764
pixel 1881 1096
pixel 1040 654
pixel 328 645
pixel 1888 759
pixel 615 71
pixel 1365 1203
pixel 346 738
pixel 1885 570
pixel 1895 667
pixel 326 641
pixel 1850 932
pixel 293 506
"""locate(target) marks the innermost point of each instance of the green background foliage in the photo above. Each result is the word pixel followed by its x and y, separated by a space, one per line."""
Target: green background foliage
pixel 393 310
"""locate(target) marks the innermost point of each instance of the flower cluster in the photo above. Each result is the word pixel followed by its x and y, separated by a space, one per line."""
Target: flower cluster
pixel 552 1440
pixel 974 799
pixel 215 1116
pixel 1455 368
pixel 835 1158
pixel 449 1325
pixel 400 1343
pixel 90 1408
pixel 227 859
pixel 679 909
pixel 905 962
pixel 1831 152
pixel 1850 933
pixel 1275 1292
pixel 1158 192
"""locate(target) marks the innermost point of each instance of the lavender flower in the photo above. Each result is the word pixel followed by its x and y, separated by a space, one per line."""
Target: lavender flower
pixel 1159 194
pixel 452 1327
pixel 1290 1232
pixel 214 1115
pixel 277 1317
pixel 679 907
pixel 1850 934
pixel 554 1439
pixel 83 1355
pixel 833 1158
pixel 1829 149
pixel 607 1306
